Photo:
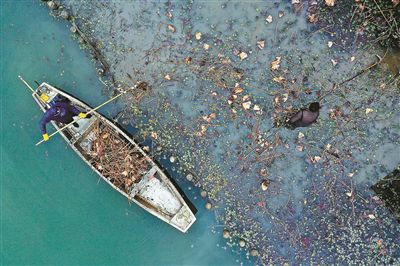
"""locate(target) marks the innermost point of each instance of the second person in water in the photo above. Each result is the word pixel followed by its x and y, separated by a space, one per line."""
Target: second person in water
pixel 305 117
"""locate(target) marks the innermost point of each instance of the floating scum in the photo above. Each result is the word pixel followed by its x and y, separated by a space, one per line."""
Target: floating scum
pixel 224 77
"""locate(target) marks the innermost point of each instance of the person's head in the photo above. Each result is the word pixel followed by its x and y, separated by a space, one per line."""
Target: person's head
pixel 314 107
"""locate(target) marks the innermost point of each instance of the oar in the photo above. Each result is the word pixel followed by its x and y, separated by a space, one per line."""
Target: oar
pixel 26 83
pixel 91 111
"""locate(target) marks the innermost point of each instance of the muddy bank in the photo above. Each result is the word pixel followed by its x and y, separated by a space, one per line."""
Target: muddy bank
pixel 221 75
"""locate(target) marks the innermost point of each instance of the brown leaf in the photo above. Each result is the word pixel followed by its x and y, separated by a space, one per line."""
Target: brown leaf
pixel 260 44
pixel 171 28
pixel 238 89
pixel 276 63
pixel 197 35
pixel 279 79
pixel 188 60
pixel 330 2
pixel 209 117
pixel 312 18
pixel 246 105
pixel 243 55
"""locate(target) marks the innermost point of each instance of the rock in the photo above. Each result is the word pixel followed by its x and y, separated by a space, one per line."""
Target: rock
pixel 73 29
pixel 242 243
pixel 254 253
pixel 172 159
pixel 64 14
pixel 203 194
pixel 208 206
pixel 226 233
pixel 52 5
pixel 189 177
pixel 100 71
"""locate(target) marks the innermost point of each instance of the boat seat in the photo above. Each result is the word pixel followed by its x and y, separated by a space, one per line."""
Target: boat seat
pixel 143 181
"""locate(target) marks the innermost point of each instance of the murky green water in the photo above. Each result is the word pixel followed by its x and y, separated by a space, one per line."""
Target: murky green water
pixel 54 209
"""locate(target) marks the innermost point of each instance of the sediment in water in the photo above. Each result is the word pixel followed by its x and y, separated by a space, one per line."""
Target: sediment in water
pixel 208 75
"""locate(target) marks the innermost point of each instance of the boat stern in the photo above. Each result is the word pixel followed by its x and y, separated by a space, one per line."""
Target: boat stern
pixel 183 219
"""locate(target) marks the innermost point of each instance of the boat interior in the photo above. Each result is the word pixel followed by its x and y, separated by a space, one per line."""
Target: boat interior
pixel 147 188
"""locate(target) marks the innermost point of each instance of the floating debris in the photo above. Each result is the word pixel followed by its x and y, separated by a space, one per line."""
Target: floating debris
pixel 189 177
pixel 265 185
pixel 254 253
pixel 226 233
pixel 260 44
pixel 243 55
pixel 276 63
pixel 197 35
pixel 330 2
pixel 368 110
pixel 171 28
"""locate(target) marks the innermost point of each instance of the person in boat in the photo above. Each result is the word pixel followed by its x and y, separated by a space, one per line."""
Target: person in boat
pixel 305 117
pixel 60 111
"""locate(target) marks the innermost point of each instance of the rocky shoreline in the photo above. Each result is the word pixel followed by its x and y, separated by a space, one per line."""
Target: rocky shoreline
pixel 218 83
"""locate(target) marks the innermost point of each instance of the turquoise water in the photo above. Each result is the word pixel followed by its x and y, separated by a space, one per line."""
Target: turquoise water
pixel 54 209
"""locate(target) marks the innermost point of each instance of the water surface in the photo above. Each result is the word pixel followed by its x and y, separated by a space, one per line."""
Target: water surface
pixel 54 209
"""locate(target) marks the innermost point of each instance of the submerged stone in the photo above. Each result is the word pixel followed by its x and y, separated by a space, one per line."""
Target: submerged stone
pixel 226 233
pixel 388 190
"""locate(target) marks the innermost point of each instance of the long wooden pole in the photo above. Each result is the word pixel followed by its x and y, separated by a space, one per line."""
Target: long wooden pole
pixel 91 111
pixel 26 83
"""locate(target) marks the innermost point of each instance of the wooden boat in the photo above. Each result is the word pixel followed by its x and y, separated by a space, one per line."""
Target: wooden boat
pixel 120 161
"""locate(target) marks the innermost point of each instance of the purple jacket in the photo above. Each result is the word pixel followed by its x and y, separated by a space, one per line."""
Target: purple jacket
pixel 61 112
